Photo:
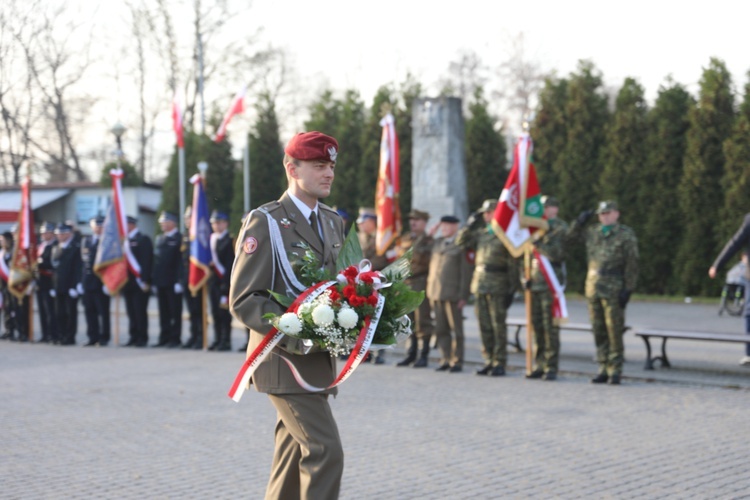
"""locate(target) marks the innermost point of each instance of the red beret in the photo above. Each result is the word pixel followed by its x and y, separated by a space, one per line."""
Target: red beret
pixel 312 146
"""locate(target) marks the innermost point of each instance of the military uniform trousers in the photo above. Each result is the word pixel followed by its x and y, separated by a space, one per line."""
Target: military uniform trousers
pixel 546 332
pixel 96 308
pixel 308 459
pixel 9 323
pixel 195 310
pixel 449 318
pixel 67 317
pixel 608 322
pixel 136 306
pixel 222 318
pixel 47 316
pixel 491 315
pixel 421 322
pixel 19 311
pixel 170 315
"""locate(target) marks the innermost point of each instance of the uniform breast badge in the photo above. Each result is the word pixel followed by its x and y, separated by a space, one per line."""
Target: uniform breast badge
pixel 285 222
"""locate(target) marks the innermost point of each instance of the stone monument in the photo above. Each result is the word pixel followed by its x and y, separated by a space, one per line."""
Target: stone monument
pixel 438 161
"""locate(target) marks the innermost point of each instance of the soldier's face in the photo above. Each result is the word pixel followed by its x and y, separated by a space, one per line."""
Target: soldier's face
pixel 448 229
pixel 47 235
pixel 219 226
pixel 167 226
pixel 609 218
pixel 550 212
pixel 312 178
pixel 417 225
pixel 63 237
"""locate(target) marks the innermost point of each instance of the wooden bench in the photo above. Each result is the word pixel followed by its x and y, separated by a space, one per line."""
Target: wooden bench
pixel 647 333
pixel 520 323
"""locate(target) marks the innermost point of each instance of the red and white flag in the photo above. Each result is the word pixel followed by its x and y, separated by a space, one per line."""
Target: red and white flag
pixel 177 108
pixel 23 262
pixel 388 189
pixel 519 212
pixel 237 107
pixel 559 306
pixel 122 221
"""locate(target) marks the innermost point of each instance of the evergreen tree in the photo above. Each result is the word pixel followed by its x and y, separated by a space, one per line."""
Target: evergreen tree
pixel 700 193
pixel 736 181
pixel 348 131
pixel 580 160
pixel 549 132
pixel 624 153
pixel 663 219
pixel 486 152
pixel 131 176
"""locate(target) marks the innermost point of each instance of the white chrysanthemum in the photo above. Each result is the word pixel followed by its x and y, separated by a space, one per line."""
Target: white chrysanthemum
pixel 348 318
pixel 290 324
pixel 323 315
pixel 305 308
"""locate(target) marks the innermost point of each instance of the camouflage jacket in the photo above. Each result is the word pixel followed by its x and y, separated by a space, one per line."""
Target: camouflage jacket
pixel 612 259
pixel 551 244
pixel 495 271
pixel 422 250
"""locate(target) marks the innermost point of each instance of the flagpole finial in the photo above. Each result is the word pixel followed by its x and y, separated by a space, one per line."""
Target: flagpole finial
pixel 202 167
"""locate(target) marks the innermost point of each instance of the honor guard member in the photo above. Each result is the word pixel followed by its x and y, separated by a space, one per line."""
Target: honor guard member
pixel 612 254
pixel 66 260
pixel 194 302
pixel 308 460
pixel 167 279
pixel 222 258
pixel 448 291
pixel 136 291
pixel 551 244
pixel 46 304
pixel 94 293
pixel 417 239
pixel 9 313
pixel 493 285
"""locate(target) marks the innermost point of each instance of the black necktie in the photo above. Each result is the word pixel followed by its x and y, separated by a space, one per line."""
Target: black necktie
pixel 314 224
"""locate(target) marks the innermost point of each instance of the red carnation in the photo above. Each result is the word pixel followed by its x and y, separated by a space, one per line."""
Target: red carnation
pixel 372 299
pixel 356 301
pixel 348 291
pixel 351 273
pixel 335 297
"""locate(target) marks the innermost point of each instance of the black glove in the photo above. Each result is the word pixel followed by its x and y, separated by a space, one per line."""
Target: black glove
pixel 584 217
pixel 475 220
pixel 624 298
pixel 509 300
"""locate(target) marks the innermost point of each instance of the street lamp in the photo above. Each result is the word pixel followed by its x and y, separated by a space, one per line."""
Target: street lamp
pixel 118 129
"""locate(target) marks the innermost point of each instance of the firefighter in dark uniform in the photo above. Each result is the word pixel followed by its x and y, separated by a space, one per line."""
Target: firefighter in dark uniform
pixel 167 279
pixel 9 313
pixel 45 302
pixel 194 302
pixel 95 297
pixel 222 258
pixel 137 289
pixel 66 260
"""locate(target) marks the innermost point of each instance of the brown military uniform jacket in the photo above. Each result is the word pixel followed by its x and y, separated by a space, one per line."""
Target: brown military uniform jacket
pixel 369 252
pixel 450 272
pixel 255 272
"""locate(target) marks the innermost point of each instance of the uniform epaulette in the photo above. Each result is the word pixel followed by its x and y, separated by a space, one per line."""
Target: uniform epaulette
pixel 270 206
pixel 326 207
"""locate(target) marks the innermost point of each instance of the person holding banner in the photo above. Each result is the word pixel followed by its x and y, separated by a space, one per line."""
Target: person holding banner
pixel 66 260
pixel 136 291
pixel 612 254
pixel 308 460
pixel 194 303
pixel 550 244
pixel 222 257
pixel 45 272
pixel 94 295
pixel 9 313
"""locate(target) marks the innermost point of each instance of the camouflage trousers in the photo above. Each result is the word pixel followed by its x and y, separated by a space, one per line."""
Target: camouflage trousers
pixel 491 314
pixel 448 317
pixel 608 322
pixel 546 333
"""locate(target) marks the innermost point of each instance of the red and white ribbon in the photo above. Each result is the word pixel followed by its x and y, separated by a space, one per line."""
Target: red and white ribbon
pixel 559 306
pixel 364 274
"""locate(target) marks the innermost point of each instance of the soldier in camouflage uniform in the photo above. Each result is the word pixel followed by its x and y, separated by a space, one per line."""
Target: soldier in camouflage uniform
pixel 421 244
pixel 612 253
pixel 493 285
pixel 551 244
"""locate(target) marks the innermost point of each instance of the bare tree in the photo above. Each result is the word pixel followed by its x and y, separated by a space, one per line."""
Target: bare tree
pixel 465 76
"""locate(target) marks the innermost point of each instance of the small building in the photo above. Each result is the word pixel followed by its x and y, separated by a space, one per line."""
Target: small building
pixel 79 202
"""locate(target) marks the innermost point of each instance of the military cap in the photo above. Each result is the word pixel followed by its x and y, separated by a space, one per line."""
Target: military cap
pixel 132 220
pixel 488 205
pixel 167 216
pixel 549 201
pixel 63 228
pixel 312 146
pixel 606 206
pixel 449 218
pixel 98 220
pixel 47 227
pixel 419 214
pixel 366 213
pixel 217 215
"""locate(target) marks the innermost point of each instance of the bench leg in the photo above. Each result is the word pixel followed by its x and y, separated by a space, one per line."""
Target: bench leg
pixel 664 360
pixel 649 361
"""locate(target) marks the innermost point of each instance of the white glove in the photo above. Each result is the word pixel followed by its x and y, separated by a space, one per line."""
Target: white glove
pixel 79 289
pixel 177 288
pixel 105 290
pixel 73 294
pixel 141 284
pixel 223 301
pixel 53 293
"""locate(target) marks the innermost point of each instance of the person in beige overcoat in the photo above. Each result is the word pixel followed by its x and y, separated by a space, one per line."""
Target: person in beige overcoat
pixel 448 283
pixel 308 459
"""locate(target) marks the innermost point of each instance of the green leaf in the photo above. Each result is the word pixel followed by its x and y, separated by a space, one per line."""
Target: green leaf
pixel 351 252
pixel 401 267
pixel 282 299
pixel 408 301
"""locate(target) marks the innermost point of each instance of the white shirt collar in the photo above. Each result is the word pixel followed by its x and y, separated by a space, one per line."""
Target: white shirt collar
pixel 171 233
pixel 304 209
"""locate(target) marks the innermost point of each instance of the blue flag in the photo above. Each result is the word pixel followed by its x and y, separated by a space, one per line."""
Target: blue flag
pixel 200 235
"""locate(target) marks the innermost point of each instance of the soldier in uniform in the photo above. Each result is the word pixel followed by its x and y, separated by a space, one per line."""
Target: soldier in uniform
pixel 222 257
pixel 194 302
pixel 421 244
pixel 308 460
pixel 367 226
pixel 66 260
pixel 493 285
pixel 612 254
pixel 448 291
pixel 94 293
pixel 6 254
pixel 167 279
pixel 46 304
pixel 551 244
pixel 136 291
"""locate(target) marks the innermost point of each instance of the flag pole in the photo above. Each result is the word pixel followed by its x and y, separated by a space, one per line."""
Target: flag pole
pixel 32 258
pixel 202 167
pixel 181 181
pixel 527 300
pixel 117 320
